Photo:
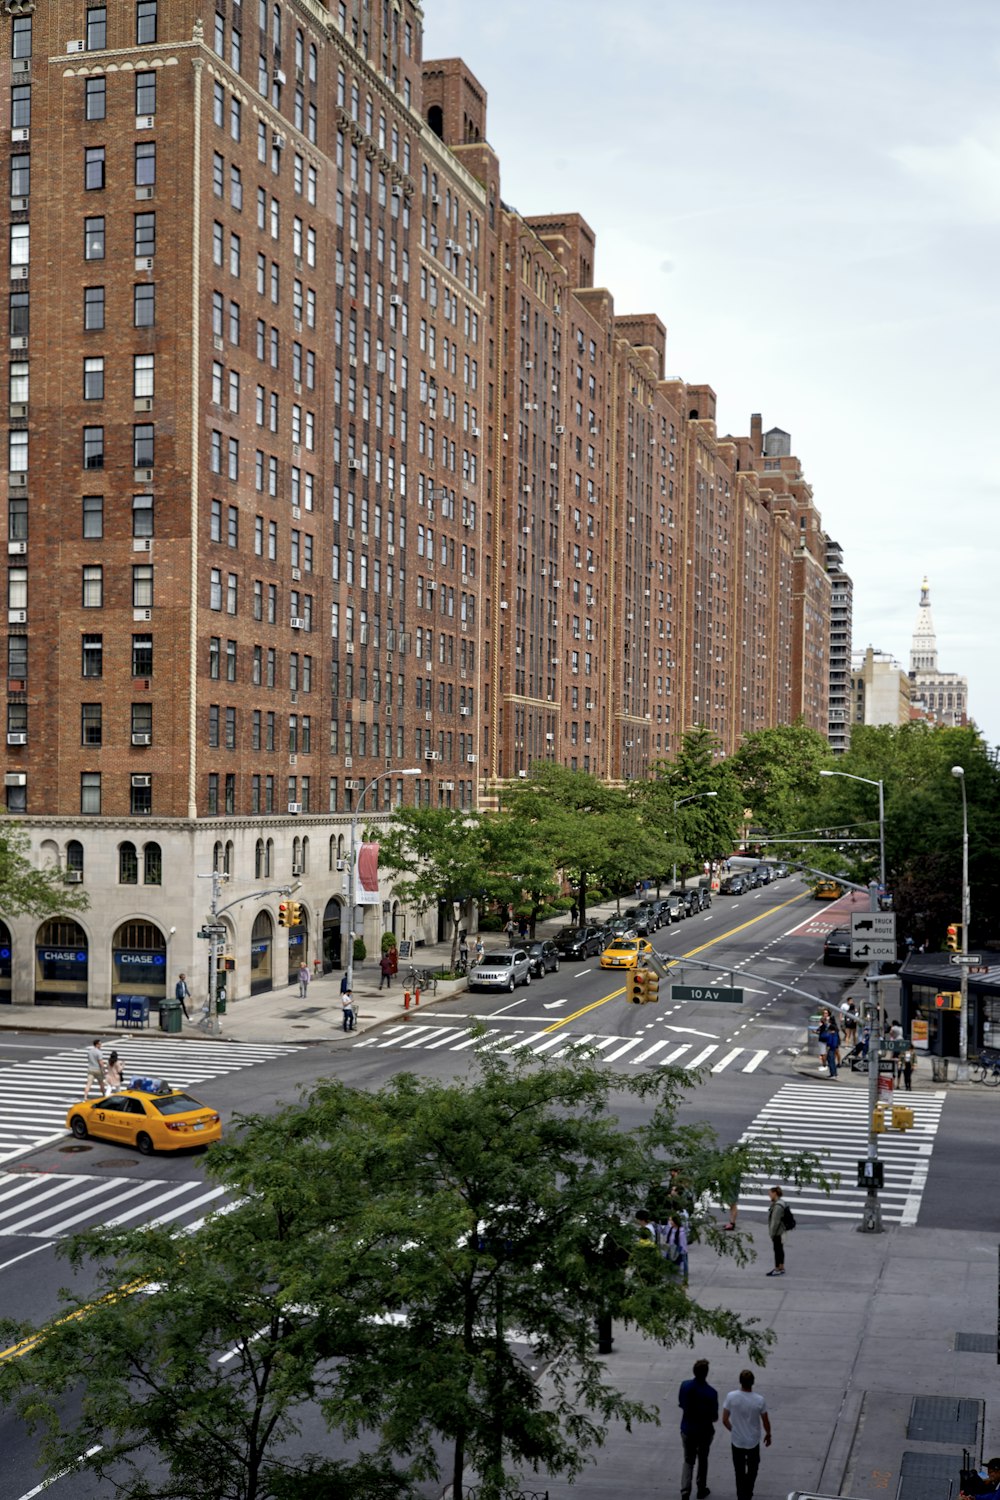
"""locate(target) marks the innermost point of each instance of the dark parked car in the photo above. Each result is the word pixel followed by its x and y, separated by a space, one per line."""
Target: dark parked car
pixel 543 958
pixel 688 897
pixel 580 942
pixel 837 946
pixel 621 927
pixel 643 919
pixel 763 874
pixel 733 885
pixel 704 893
pixel 661 912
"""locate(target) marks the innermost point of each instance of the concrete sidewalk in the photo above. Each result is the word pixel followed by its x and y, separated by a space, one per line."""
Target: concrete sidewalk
pixel 864 1324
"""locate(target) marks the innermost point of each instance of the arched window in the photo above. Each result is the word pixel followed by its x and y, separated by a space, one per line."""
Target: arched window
pixel 305 856
pixel 296 855
pixel 258 860
pixel 128 865
pixel 340 846
pixel 269 858
pixel 435 119
pixel 217 857
pixel 152 860
pixel 333 852
pixel 230 857
pixel 74 856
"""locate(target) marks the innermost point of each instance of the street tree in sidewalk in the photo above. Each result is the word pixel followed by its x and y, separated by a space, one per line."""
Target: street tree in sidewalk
pixel 26 890
pixel 698 826
pixel 563 813
pixel 438 854
pixel 387 1257
pixel 777 771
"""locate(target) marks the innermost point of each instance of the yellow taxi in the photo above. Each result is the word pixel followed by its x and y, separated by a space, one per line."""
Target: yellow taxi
pixel 827 890
pixel 624 953
pixel 147 1121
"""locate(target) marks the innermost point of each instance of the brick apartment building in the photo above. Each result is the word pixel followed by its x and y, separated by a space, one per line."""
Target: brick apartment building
pixel 325 464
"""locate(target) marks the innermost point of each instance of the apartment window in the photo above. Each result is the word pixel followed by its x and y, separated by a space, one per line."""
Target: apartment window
pixel 90 792
pixel 93 239
pixel 220 35
pixel 20 244
pixel 21 37
pixel 97 28
pixel 17 588
pixel 93 168
pixel 93 447
pixel 141 799
pixel 236 188
pixel 233 526
pixel 145 22
pixel 142 515
pixel 144 304
pixel 215 589
pixel 17 657
pixel 145 163
pixel 18 391
pixel 20 308
pixel 92 663
pixel 20 106
pixel 20 176
pixel 230 661
pixel 91 724
pixel 232 593
pixel 213 726
pixel 152 860
pixel 142 719
pixel 145 234
pixel 143 369
pixel 214 656
pixel 230 729
pixel 93 587
pixel 233 457
pixel 218 104
pixel 17 449
pixel 218 174
pixel 234 255
pixel 145 93
pixel 93 516
pixel 93 379
pixel 142 445
pixel 93 308
pixel 142 656
pixel 235 118
pixel 213 794
pixel 142 586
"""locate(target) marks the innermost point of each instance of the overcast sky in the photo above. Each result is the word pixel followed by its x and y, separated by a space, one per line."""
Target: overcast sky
pixel 807 192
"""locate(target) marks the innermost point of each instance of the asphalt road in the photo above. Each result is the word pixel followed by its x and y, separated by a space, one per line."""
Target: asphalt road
pixel 770 941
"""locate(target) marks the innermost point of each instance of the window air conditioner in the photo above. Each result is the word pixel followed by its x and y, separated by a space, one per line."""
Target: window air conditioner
pixel 73 877
pixel 142 781
pixel 17 739
pixel 142 739
pixel 295 807
pixel 297 622
pixel 472 759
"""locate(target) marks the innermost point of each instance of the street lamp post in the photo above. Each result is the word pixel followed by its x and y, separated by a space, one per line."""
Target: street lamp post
pixel 871 1218
pixel 352 866
pixel 679 802
pixel 963 984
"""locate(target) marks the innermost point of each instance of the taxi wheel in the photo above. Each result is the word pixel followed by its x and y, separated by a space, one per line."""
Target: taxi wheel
pixel 143 1144
pixel 78 1125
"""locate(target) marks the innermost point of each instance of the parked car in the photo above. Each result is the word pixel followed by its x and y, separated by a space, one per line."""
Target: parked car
pixel 779 871
pixel 837 946
pixel 621 927
pixel 661 912
pixel 543 957
pixel 763 874
pixel 676 907
pixel 642 918
pixel 580 942
pixel 689 899
pixel 502 970
pixel 733 885
pixel 704 894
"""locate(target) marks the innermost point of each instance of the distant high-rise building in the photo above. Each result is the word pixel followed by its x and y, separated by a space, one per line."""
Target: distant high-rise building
pixel 841 604
pixel 880 689
pixel 944 696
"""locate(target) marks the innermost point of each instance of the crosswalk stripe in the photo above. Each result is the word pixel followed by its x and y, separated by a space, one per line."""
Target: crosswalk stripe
pixel 755 1062
pixel 450 1033
pixel 651 1051
pixel 621 1051
pixel 703 1056
pixel 724 1062
pixel 474 1041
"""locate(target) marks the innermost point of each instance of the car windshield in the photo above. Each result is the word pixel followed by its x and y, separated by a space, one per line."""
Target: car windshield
pixel 499 961
pixel 177 1104
pixel 624 946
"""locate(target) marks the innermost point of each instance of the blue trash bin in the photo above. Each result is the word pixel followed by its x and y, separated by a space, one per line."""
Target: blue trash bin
pixel 138 1010
pixel 121 1010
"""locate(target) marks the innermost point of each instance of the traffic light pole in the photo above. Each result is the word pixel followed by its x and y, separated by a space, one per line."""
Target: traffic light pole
pixel 871 1214
pixel 216 931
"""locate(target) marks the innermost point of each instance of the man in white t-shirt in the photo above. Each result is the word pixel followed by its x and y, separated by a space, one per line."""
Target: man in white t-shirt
pixel 744 1414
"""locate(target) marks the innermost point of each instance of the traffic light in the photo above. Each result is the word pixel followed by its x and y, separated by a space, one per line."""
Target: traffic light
pixel 283 914
pixel 951 941
pixel 633 988
pixel 902 1117
pixel 878 1120
pixel 294 913
pixel 652 987
pixel 948 1000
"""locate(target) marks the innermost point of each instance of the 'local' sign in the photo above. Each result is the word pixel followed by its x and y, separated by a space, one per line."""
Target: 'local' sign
pixel 706 992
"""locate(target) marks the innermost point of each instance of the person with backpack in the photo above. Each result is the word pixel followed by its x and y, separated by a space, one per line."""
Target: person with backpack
pixel 780 1220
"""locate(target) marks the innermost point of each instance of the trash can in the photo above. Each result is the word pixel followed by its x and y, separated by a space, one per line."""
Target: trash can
pixel 939 1069
pixel 220 1003
pixel 138 1010
pixel 170 1015
pixel 121 1010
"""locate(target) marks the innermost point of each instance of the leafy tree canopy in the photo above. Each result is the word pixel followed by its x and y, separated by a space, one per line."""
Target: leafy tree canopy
pixel 26 890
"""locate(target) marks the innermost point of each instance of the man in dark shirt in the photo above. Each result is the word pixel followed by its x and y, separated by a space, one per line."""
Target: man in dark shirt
pixel 699 1404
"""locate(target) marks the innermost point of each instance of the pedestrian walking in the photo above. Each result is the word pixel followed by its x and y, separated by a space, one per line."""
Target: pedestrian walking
pixel 344 983
pixel 480 950
pixel 463 952
pixel 304 978
pixel 850 1023
pixel 385 970
pixel 347 1007
pixel 113 1074
pixel 699 1404
pixel 909 1062
pixel 674 1244
pixel 779 1222
pixel 734 1207
pixel 744 1415
pixel 95 1067
pixel 510 930
pixel 182 993
pixel 522 928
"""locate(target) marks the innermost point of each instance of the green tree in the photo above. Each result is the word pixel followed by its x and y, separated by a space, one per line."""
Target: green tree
pixel 26 890
pixel 382 1252
pixel 440 854
pixel 699 827
pixel 777 771
pixel 562 812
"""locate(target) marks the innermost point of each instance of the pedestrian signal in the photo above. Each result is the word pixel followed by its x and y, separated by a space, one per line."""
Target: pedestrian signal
pixel 948 1000
pixel 225 962
pixel 902 1117
pixel 283 914
pixel 951 941
pixel 878 1120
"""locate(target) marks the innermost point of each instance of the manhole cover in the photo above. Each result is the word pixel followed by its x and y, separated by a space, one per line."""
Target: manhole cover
pixel 116 1161
pixel 929 1476
pixel 975 1343
pixel 71 1150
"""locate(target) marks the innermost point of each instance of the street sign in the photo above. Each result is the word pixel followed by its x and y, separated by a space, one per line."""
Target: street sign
pixel 872 950
pixel 705 992
pixel 964 958
pixel 873 924
pixel 871 1173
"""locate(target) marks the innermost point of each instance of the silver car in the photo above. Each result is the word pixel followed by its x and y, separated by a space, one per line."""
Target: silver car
pixel 501 971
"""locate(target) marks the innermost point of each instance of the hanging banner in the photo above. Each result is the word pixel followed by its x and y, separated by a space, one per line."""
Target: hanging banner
pixel 366 876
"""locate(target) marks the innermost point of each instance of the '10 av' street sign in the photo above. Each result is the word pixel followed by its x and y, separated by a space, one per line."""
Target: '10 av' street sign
pixel 705 992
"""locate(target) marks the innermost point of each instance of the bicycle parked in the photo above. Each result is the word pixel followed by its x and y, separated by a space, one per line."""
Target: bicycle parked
pixel 421 979
pixel 987 1069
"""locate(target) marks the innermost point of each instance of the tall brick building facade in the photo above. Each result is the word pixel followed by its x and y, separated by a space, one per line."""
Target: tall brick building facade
pixel 324 463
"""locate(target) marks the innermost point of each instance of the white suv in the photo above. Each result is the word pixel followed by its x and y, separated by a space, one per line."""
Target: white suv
pixel 501 971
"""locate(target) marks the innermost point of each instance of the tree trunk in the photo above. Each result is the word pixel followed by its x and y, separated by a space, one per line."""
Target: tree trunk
pixel 583 898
